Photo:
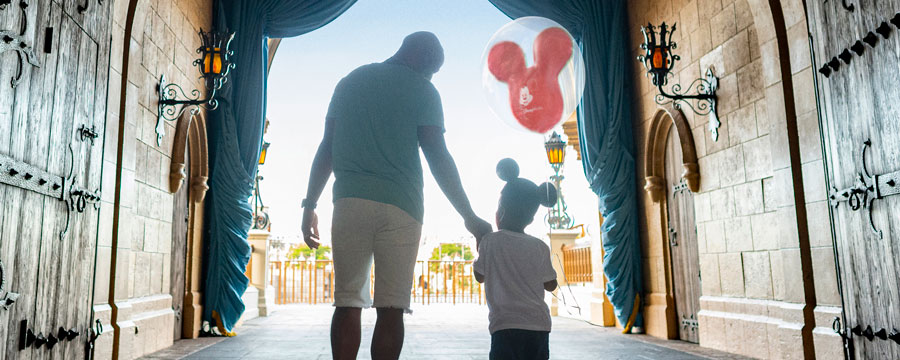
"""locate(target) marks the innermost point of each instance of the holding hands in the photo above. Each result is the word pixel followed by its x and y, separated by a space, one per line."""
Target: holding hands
pixel 478 227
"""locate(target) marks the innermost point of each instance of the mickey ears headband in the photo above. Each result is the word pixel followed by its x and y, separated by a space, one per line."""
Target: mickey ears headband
pixel 508 171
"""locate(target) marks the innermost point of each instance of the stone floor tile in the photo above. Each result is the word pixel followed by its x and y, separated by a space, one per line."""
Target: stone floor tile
pixel 439 332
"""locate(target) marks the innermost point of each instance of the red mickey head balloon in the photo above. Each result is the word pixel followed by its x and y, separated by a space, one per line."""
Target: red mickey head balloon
pixel 540 96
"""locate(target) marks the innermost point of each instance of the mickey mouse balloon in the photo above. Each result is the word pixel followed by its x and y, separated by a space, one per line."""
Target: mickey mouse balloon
pixel 533 74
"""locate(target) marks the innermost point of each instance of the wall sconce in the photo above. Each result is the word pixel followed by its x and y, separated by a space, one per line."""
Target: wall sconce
pixel 262 153
pixel 214 63
pixel 659 62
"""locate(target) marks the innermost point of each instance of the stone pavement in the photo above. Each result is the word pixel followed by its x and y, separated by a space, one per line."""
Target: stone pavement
pixel 437 331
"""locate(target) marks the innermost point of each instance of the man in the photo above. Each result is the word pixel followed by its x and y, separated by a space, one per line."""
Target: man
pixel 379 117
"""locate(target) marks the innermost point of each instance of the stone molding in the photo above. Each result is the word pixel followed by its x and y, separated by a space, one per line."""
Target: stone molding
pixel 655 154
pixel 190 138
pixel 570 127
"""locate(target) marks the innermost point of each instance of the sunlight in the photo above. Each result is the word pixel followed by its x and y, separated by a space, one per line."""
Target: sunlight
pixel 307 68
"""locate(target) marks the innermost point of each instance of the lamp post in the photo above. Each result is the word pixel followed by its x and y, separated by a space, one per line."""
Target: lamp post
pixel 557 218
pixel 260 216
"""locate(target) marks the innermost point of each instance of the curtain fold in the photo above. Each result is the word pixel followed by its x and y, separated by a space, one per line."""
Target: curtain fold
pixel 605 133
pixel 235 133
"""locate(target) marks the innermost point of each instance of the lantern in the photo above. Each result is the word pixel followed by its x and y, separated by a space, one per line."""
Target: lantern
pixel 659 61
pixel 262 153
pixel 556 151
pixel 214 64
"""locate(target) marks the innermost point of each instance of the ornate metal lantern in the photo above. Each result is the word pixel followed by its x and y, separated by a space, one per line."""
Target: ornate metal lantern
pixel 556 151
pixel 262 153
pixel 557 218
pixel 659 61
pixel 214 64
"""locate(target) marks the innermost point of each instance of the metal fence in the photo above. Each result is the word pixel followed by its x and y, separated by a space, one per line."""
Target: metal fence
pixel 434 281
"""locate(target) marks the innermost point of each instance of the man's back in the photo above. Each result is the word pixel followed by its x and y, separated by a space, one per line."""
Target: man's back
pixel 377 110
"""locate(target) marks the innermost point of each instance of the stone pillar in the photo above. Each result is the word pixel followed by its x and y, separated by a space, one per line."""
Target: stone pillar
pixel 259 270
pixel 558 239
pixel 602 312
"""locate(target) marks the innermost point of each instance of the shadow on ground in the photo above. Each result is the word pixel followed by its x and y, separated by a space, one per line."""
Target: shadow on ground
pixel 432 332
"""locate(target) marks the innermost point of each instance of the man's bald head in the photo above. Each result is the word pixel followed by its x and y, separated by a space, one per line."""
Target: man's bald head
pixel 420 51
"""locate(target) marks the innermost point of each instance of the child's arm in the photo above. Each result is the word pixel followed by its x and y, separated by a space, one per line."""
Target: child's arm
pixel 549 286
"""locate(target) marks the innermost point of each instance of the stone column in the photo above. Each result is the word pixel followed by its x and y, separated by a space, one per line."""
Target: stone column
pixel 259 270
pixel 602 312
pixel 558 239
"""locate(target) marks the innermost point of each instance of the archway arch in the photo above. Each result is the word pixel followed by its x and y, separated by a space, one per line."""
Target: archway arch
pixel 655 154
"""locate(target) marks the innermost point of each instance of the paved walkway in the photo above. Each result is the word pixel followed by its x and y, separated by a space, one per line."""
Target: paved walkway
pixel 432 332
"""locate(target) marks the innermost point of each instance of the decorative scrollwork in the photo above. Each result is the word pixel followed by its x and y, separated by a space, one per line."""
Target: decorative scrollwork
pixel 170 108
pixel 866 190
pixel 7 298
pixel 701 103
pixel 16 41
pixel 260 216
pixel 846 6
pixel 83 7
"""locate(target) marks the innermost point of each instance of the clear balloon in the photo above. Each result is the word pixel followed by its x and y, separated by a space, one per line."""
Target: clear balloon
pixel 533 74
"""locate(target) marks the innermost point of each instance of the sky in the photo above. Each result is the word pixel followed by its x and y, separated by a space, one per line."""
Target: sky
pixel 307 68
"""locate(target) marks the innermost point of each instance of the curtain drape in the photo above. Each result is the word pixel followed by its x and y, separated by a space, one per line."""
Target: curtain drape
pixel 235 133
pixel 605 133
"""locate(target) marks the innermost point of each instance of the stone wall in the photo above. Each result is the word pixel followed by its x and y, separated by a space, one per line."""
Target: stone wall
pixel 163 41
pixel 753 293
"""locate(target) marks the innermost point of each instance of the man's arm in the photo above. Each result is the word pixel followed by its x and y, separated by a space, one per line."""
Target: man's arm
pixel 479 277
pixel 443 168
pixel 318 177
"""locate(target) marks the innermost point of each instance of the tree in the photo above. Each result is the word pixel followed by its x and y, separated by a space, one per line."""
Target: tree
pixel 452 250
pixel 301 250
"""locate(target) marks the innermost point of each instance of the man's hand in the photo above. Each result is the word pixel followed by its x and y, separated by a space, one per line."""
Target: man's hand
pixel 310 228
pixel 478 227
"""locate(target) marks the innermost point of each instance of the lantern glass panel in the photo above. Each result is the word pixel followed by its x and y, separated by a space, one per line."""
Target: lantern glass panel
pixel 217 61
pixel 658 58
pixel 262 153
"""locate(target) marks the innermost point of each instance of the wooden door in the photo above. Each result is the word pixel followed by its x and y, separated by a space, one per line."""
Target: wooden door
pixel 860 118
pixel 180 218
pixel 682 243
pixel 52 117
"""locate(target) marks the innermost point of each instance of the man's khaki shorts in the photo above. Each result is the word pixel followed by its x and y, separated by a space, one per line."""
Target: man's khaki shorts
pixel 363 229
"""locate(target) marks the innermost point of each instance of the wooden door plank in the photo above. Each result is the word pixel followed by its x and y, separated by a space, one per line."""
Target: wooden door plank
pixel 22 223
pixel 54 252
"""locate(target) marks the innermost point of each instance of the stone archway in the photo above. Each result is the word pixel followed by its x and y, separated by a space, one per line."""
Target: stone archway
pixel 190 140
pixel 660 308
pixel 655 152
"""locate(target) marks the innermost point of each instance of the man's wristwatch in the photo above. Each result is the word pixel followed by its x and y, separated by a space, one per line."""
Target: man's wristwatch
pixel 307 204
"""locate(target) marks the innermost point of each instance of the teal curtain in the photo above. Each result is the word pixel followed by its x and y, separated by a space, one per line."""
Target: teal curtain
pixel 605 132
pixel 235 135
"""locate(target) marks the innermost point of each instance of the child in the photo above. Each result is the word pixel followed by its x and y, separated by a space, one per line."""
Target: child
pixel 515 269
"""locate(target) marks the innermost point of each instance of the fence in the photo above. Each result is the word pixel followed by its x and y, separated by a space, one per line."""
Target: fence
pixel 577 264
pixel 434 281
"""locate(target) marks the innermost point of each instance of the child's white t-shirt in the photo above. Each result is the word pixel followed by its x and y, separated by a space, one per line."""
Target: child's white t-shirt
pixel 515 267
